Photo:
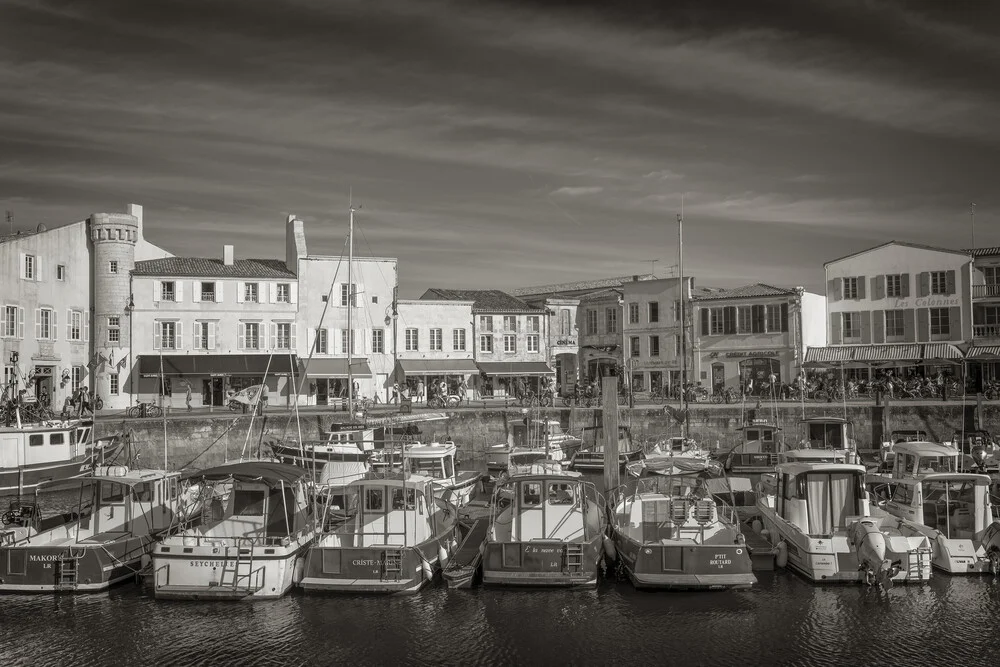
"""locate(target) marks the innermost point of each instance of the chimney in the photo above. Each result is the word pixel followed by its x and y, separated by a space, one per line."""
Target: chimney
pixel 135 210
pixel 227 255
pixel 635 279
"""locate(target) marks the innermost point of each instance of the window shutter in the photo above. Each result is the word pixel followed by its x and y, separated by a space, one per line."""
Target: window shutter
pixel 272 288
pixel 866 326
pixel 294 342
pixel 311 340
pixel 909 328
pixel 242 335
pixel 178 336
pixel 262 293
pixel 834 288
pixel 878 323
pixel 39 269
pixel 836 338
pixel 274 335
pixel 861 287
pixel 784 317
pixel 86 328
pixel 293 292
pixel 923 324
pixel 69 324
pixel 156 335
pixel 218 291
pixel 211 335
pixel 705 327
pixel 54 328
pixel 156 290
pixel 955 321
pixel 20 323
pixel 196 291
pixel 729 320
pixel 240 292
pixel 878 287
pixel 950 282
pixel 21 261
pixel 924 281
pixel 366 340
pixel 195 335
pixel 758 319
pixel 179 291
pixel 904 284
pixel 38 323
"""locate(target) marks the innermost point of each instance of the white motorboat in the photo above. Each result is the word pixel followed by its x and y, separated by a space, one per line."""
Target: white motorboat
pixel 541 434
pixel 683 456
pixel 436 461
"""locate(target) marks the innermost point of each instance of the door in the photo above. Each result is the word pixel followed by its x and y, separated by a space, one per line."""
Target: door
pixel 11 452
pixel 718 376
pixel 322 393
pixel 43 390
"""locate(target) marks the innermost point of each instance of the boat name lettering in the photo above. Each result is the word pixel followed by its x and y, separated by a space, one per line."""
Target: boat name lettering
pixel 366 562
pixel 721 560
pixel 206 563
pixel 43 558
pixel 542 550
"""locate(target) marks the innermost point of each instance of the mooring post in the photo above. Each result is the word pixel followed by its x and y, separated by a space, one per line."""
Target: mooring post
pixel 612 477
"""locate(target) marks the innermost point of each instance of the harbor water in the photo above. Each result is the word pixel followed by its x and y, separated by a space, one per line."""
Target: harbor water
pixel 781 621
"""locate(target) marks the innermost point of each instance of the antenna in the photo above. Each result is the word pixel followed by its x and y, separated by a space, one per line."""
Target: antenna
pixel 972 213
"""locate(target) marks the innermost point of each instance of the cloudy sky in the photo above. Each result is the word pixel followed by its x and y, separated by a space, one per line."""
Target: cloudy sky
pixel 501 144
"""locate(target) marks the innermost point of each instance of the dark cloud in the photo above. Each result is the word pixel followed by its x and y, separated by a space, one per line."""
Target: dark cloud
pixel 504 143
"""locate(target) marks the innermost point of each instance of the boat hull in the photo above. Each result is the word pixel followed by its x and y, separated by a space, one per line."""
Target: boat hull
pixel 27 478
pixel 319 457
pixel 595 460
pixel 364 570
pixel 43 568
pixel 460 490
pixel 535 564
pixel 685 566
pixel 203 573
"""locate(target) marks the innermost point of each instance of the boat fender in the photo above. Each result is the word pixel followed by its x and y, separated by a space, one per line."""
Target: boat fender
pixel 428 572
pixel 766 534
pixel 298 570
pixel 145 561
pixel 609 548
pixel 781 554
pixel 442 556
pixel 757 526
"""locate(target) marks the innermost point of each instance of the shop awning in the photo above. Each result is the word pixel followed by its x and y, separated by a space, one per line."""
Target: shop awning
pixel 436 367
pixel 821 355
pixel 515 368
pixel 942 351
pixel 984 352
pixel 217 364
pixel 902 352
pixel 337 368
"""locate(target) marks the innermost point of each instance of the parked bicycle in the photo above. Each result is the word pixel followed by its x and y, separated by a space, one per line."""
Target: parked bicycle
pixel 726 395
pixel 143 410
pixel 437 402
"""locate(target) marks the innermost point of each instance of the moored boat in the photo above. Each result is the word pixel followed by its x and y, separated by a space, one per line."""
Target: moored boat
pixel 683 456
pixel 541 434
pixel 393 536
pixel 120 514
pixel 438 461
pixel 256 526
pixel 546 529
pixel 757 448
pixel 670 533
pixel 591 454
pixel 925 495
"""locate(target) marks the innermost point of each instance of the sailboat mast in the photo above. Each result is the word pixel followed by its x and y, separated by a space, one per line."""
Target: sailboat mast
pixel 683 327
pixel 350 313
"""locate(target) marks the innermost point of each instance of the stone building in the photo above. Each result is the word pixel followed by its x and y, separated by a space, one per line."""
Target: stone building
pixel 436 344
pixel 652 330
pixel 984 353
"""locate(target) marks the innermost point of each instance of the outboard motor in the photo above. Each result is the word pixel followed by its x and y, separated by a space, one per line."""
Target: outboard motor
pixel 979 457
pixel 870 544
pixel 991 544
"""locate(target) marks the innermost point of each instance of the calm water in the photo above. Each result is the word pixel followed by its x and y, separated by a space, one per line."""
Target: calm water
pixel 783 621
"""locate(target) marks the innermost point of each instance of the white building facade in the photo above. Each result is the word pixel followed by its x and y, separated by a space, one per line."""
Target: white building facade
pixel 652 333
pixel 435 344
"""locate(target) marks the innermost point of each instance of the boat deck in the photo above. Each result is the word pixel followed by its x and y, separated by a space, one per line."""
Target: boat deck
pixel 761 552
pixel 470 550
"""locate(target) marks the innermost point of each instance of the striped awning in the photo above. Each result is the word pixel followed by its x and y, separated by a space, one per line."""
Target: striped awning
pixel 824 355
pixel 902 352
pixel 984 352
pixel 942 351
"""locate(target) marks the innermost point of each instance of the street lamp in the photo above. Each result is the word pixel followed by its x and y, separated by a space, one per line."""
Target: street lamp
pixel 129 307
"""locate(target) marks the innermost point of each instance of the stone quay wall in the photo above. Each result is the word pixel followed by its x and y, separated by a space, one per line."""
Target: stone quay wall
pixel 208 440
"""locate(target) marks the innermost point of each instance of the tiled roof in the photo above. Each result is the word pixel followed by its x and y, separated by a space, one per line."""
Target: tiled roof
pixel 921 246
pixel 984 252
pixel 579 286
pixel 601 295
pixel 202 267
pixel 745 292
pixel 484 301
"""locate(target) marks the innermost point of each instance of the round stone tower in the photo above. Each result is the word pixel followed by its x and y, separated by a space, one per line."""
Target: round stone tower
pixel 114 236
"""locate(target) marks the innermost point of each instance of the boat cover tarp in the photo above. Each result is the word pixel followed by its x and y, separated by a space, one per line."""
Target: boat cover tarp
pixel 268 472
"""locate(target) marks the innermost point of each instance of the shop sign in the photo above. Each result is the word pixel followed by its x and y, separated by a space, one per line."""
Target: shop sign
pixel 927 302
pixel 658 363
pixel 745 353
pixel 566 341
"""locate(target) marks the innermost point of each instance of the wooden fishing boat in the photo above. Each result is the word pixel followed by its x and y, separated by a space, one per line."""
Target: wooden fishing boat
pixel 591 455
pixel 466 562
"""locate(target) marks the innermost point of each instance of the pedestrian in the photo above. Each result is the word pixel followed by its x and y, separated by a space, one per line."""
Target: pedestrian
pixel 939 379
pixel 395 393
pixel 748 389
pixel 262 399
pixel 43 397
pixel 443 389
pixel 356 388
pixel 187 395
pixel 462 391
pixel 420 390
pixel 85 401
pixel 67 409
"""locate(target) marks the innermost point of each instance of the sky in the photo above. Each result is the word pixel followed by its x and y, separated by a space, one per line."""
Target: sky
pixel 502 144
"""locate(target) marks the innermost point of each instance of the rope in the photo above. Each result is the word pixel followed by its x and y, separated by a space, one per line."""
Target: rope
pixel 200 454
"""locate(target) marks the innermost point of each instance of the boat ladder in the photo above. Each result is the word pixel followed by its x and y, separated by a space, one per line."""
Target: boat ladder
pixel 392 564
pixel 230 575
pixel 919 559
pixel 574 557
pixel 68 571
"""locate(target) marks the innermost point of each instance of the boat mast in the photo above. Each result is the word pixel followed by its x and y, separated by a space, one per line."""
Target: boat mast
pixel 680 270
pixel 350 314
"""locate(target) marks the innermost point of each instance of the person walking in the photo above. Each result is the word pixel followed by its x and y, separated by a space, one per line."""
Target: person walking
pixel 187 395
pixel 463 390
pixel 395 393
pixel 420 390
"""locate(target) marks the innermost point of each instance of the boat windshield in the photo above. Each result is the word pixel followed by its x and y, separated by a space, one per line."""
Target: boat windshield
pixel 826 436
pixel 436 468
pixel 950 506
pixel 931 464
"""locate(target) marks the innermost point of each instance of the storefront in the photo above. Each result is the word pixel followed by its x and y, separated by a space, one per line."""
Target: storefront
pixel 734 368
pixel 901 360
pixel 408 373
pixel 165 379
pixel 598 361
pixel 983 366
pixel 329 382
pixel 496 378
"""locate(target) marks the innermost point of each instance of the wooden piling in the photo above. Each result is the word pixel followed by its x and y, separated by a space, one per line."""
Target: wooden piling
pixel 609 408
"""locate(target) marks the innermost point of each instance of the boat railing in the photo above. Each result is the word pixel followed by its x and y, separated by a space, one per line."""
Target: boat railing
pixel 254 579
pixel 252 541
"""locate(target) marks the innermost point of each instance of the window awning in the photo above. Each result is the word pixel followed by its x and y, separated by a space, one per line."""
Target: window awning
pixel 984 352
pixel 902 352
pixel 337 368
pixel 515 368
pixel 819 355
pixel 435 367
pixel 942 351
pixel 217 364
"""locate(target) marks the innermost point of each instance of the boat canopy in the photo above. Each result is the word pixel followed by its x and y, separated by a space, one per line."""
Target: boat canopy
pixel 797 467
pixel 917 448
pixel 431 450
pixel 268 472
pixel 130 478
pixel 717 485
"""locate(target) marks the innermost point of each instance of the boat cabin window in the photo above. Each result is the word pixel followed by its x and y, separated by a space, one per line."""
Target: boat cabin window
pixel 791 487
pixel 374 500
pixel 36 440
pixel 753 434
pixel 531 494
pixel 143 492
pixel 902 494
pixel 82 434
pixel 57 439
pixel 826 436
pixel 950 506
pixel 398 502
pixel 248 502
pixel 429 467
pixel 449 466
pixel 929 464
pixel 561 493
pixel 112 492
pixel 831 498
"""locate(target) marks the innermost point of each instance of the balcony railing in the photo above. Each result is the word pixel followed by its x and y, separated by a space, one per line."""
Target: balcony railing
pixel 986 330
pixel 986 291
